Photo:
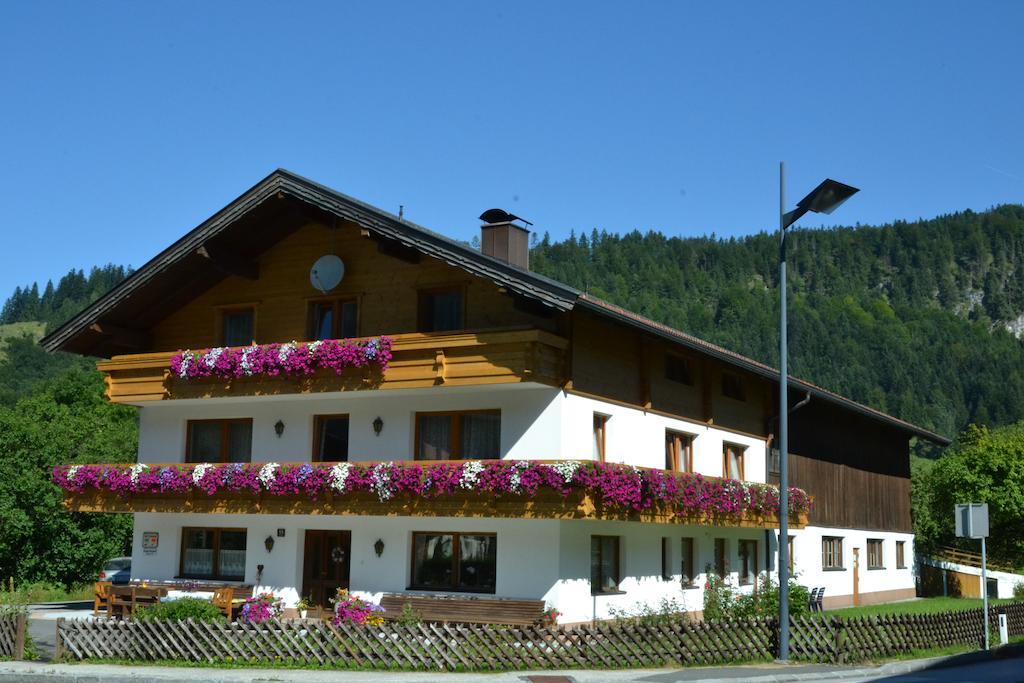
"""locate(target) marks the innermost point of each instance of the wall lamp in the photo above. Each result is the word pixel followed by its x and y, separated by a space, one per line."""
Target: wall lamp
pixel 269 543
pixel 378 547
pixel 378 425
pixel 279 428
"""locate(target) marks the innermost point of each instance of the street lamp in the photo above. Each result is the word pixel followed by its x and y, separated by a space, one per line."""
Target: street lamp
pixel 825 198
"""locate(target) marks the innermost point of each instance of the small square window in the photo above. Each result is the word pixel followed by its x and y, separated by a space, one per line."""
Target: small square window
pixel 678 452
pixel 901 558
pixel 831 552
pixel 237 327
pixel 331 438
pixel 441 310
pixel 732 387
pixel 876 557
pixel 678 369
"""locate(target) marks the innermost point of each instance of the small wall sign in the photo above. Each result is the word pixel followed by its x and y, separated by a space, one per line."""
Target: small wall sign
pixel 150 542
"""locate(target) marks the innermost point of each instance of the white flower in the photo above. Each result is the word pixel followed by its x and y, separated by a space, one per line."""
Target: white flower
pixel 567 469
pixel 137 469
pixel 515 481
pixel 72 471
pixel 339 475
pixel 285 351
pixel 187 359
pixel 268 473
pixel 469 474
pixel 210 359
pixel 246 361
pixel 381 478
pixel 313 346
pixel 199 471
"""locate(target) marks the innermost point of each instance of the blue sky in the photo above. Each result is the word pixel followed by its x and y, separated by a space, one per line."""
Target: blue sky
pixel 123 125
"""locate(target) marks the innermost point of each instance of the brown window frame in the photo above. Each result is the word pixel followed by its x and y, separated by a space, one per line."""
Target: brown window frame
pixel 456 551
pixel 678 451
pixel 679 369
pixel 225 432
pixel 876 553
pixel 216 552
pixel 617 571
pixel 832 548
pixel 688 578
pixel 733 386
pixel 318 426
pixel 222 328
pixel 721 558
pixel 336 302
pixel 789 555
pixel 725 459
pixel 751 561
pixel 601 433
pixel 421 313
pixel 456 430
pixel 901 554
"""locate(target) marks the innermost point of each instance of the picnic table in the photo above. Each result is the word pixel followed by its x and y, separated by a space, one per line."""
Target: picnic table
pixel 122 601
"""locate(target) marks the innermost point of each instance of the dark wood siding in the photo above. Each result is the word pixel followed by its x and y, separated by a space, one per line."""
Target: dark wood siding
pixel 857 469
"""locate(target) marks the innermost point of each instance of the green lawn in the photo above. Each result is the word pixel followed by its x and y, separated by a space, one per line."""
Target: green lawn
pixel 31 593
pixel 920 606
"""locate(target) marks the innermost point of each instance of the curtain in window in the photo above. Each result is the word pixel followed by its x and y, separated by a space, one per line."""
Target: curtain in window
pixel 240 441
pixel 447 311
pixel 323 321
pixel 238 328
pixel 205 442
pixel 687 563
pixel 734 462
pixel 748 559
pixel 432 561
pixel 349 319
pixel 435 437
pixel 231 560
pixel 198 559
pixel 478 560
pixel 604 551
pixel 481 437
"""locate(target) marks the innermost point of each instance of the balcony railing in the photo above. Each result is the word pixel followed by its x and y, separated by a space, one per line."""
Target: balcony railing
pixel 418 360
pixel 569 489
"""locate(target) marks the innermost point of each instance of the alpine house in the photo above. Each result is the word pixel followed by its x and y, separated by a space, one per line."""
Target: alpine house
pixel 331 396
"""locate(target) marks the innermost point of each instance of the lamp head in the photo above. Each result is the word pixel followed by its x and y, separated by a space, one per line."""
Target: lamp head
pixel 825 198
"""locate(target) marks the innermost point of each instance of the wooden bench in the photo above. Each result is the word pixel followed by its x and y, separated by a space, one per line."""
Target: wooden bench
pixel 465 610
pixel 101 598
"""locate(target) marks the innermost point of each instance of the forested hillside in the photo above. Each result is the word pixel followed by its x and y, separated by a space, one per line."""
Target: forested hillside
pixel 911 318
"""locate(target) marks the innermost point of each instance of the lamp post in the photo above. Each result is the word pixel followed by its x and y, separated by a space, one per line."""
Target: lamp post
pixel 825 198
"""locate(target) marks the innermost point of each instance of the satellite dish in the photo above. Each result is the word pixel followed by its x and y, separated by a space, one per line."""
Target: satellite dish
pixel 326 273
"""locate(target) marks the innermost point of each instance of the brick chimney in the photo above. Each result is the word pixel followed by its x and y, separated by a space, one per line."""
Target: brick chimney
pixel 501 238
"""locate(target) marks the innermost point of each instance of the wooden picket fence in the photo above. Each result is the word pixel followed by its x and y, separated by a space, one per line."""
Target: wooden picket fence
pixel 12 634
pixel 474 647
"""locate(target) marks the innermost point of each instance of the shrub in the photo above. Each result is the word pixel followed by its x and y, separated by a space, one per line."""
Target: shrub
pixel 179 610
pixel 1018 590
pixel 668 611
pixel 722 602
pixel 409 616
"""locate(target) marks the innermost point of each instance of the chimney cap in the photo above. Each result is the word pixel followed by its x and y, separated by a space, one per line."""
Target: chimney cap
pixel 501 216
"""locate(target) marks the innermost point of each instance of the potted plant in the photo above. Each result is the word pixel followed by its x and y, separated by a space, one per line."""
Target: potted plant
pixel 303 606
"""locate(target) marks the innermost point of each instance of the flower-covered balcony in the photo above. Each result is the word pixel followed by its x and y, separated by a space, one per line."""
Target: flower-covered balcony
pixel 526 489
pixel 387 362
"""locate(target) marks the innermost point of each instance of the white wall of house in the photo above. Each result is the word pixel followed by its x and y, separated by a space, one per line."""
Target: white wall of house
pixel 537 422
pixel 807 556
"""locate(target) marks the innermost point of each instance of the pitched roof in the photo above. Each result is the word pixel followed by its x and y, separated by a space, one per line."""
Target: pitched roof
pixel 177 274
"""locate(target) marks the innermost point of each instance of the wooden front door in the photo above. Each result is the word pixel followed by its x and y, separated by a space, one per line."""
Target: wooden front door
pixel 325 565
pixel 856 577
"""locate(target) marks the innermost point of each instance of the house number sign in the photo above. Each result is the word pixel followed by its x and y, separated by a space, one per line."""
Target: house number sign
pixel 150 542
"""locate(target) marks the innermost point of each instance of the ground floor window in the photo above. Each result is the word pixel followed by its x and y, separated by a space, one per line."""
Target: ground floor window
pixel 721 567
pixel 876 558
pixel 604 564
pixel 748 562
pixel 454 561
pixel 686 566
pixel 666 558
pixel 831 552
pixel 212 553
pixel 901 558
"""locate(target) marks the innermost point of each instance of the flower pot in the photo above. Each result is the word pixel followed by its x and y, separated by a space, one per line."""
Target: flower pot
pixel 303 613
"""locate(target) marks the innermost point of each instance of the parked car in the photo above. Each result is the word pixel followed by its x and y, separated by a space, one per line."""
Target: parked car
pixel 117 570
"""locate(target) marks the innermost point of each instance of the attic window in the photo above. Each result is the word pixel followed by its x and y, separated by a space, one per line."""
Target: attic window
pixel 336 319
pixel 732 387
pixel 441 310
pixel 237 327
pixel 678 369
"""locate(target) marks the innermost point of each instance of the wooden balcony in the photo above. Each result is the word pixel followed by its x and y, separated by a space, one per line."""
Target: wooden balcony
pixel 579 503
pixel 419 360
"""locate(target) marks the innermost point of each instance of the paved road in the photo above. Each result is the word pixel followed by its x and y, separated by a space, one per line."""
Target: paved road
pixel 42 623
